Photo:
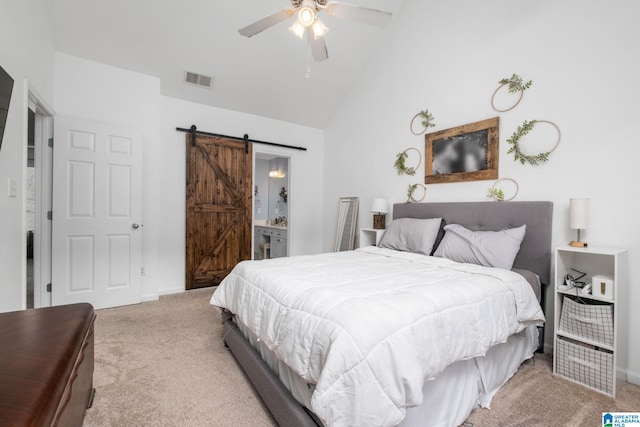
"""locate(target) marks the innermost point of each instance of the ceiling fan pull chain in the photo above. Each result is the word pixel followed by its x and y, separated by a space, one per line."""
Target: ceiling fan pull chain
pixel 308 73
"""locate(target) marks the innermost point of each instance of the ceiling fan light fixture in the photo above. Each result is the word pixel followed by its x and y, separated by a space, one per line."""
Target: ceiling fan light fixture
pixel 319 29
pixel 298 29
pixel 306 16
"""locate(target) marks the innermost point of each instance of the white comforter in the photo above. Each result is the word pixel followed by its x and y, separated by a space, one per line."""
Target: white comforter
pixel 368 327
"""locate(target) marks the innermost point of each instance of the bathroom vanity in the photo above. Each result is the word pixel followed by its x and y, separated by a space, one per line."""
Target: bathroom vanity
pixel 270 241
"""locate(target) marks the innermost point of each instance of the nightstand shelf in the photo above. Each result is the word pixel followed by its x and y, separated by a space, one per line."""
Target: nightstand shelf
pixel 370 237
pixel 590 330
pixel 572 292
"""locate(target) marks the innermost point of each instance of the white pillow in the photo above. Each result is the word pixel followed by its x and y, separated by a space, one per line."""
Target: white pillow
pixel 411 235
pixel 488 248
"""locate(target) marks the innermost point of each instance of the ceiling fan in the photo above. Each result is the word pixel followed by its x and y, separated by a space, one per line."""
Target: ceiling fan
pixel 308 23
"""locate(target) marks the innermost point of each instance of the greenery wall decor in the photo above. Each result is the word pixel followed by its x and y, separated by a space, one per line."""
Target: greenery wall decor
pixel 411 189
pixel 401 162
pixel 497 194
pixel 514 141
pixel 514 84
pixel 426 122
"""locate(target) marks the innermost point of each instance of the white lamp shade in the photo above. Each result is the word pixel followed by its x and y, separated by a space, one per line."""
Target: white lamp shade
pixel 298 29
pixel 380 206
pixel 579 213
pixel 319 29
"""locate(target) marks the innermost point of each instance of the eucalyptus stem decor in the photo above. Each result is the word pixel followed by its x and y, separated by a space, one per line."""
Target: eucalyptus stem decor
pixel 514 84
pixel 426 121
pixel 401 162
pixel 411 189
pixel 495 194
pixel 514 141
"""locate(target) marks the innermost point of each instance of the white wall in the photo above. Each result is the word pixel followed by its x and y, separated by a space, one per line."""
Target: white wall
pixel 94 91
pixel 261 180
pixel 449 56
pixel 26 53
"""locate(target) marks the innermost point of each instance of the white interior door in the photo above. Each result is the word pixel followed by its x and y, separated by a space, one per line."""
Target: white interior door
pixel 97 213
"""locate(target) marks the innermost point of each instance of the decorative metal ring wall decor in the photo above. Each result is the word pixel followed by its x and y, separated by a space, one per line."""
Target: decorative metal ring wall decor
pixel 494 189
pixel 521 91
pixel 515 84
pixel 401 159
pixel 426 122
pixel 412 188
pixel 522 130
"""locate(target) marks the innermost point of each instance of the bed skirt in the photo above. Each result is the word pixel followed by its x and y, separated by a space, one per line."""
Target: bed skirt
pixel 448 399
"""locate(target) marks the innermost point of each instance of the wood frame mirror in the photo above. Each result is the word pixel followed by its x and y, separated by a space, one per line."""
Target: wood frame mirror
pixel 347 219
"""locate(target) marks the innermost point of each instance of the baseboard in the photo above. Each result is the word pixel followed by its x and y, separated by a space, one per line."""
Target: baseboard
pixel 633 378
pixel 149 297
pixel 169 291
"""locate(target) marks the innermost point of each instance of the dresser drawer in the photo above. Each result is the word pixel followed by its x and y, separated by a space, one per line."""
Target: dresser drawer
pixel 280 234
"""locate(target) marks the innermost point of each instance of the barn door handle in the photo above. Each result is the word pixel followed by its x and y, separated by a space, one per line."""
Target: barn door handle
pixel 135 226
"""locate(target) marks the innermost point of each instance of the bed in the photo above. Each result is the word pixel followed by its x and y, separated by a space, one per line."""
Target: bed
pixel 307 346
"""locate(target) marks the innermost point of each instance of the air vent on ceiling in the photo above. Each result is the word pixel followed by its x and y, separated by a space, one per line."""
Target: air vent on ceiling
pixel 199 80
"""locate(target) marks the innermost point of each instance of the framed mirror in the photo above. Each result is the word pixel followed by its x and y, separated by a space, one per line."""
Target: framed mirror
pixel 347 219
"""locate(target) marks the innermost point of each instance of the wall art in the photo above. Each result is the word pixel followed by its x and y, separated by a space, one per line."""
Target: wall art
pixel 496 193
pixel 426 122
pixel 515 149
pixel 514 84
pixel 464 153
pixel 411 197
pixel 401 162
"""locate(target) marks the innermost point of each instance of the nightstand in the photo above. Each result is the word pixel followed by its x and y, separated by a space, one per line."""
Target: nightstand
pixel 370 237
pixel 590 330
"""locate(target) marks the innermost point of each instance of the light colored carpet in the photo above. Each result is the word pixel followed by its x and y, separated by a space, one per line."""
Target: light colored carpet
pixel 534 397
pixel 163 364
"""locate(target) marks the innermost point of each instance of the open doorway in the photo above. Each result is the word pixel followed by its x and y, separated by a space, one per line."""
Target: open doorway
pixel 30 201
pixel 271 206
pixel 38 196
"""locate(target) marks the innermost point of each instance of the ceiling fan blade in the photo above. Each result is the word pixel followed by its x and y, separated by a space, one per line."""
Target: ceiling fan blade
pixel 318 47
pixel 264 23
pixel 364 15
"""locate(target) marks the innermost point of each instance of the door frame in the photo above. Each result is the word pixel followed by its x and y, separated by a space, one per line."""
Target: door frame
pixel 43 200
pixel 264 150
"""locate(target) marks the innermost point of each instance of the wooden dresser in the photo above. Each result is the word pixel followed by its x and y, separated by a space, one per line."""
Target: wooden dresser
pixel 46 366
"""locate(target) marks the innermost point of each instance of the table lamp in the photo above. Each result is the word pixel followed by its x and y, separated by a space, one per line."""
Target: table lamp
pixel 579 218
pixel 379 207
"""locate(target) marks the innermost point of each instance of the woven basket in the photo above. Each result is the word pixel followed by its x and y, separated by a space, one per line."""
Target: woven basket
pixel 589 321
pixel 591 367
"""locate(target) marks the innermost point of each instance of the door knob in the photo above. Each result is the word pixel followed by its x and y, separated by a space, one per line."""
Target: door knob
pixel 135 226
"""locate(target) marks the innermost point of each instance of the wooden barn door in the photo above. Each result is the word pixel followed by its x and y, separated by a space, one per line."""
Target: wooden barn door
pixel 219 177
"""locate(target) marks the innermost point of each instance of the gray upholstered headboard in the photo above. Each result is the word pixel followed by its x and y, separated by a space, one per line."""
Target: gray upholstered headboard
pixel 535 250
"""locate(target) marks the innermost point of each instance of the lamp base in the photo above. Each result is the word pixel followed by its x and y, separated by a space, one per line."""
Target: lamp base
pixel 578 244
pixel 379 221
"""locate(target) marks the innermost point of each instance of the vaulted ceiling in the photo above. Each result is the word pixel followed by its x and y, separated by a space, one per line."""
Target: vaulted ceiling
pixel 264 75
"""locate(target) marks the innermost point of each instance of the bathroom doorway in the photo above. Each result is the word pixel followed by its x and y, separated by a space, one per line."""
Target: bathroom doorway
pixel 38 203
pixel 271 206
